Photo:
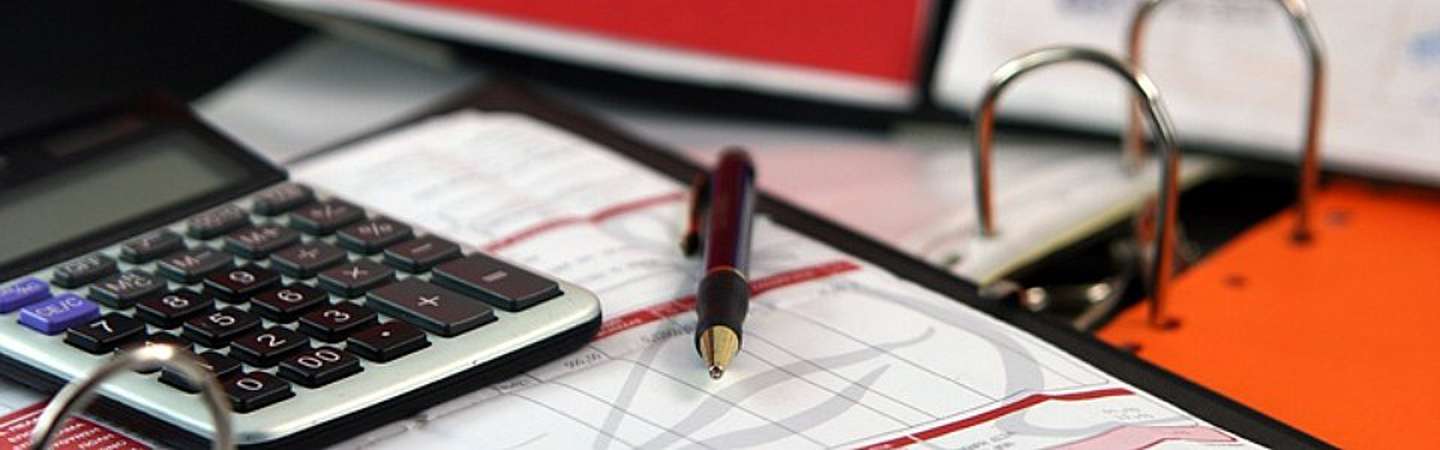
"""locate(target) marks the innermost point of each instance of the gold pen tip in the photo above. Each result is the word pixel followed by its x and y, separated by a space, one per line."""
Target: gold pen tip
pixel 718 345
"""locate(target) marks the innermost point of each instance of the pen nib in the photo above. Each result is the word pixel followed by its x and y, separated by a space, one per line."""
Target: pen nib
pixel 717 346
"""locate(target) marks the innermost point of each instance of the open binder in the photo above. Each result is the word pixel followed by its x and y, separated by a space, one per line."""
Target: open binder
pixel 506 96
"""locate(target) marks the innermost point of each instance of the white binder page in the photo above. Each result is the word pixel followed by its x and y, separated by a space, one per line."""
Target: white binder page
pixel 1231 72
pixel 838 353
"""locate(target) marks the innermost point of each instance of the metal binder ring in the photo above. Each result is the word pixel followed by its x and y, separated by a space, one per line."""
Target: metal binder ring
pixel 78 394
pixel 1310 156
pixel 984 119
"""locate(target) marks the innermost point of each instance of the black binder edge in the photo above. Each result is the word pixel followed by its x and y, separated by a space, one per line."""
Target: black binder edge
pixel 502 94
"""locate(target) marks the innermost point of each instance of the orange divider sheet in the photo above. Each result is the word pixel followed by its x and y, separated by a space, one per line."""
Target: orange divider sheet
pixel 1339 337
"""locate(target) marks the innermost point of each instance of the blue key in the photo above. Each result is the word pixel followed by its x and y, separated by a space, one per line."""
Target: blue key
pixel 58 313
pixel 23 292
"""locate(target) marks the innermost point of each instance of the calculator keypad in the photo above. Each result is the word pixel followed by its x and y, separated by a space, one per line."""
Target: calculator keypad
pixel 312 290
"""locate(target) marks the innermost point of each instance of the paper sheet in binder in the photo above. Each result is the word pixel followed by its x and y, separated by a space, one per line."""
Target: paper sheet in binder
pixel 839 353
pixel 1049 193
pixel 913 188
pixel 1232 73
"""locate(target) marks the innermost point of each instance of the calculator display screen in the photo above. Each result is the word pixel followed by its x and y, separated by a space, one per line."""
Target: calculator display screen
pixel 141 177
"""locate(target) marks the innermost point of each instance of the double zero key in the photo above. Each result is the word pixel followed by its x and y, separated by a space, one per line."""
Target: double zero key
pixel 321 366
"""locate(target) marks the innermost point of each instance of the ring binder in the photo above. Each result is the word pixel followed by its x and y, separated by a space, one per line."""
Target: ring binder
pixel 1309 37
pixel 984 120
pixel 79 393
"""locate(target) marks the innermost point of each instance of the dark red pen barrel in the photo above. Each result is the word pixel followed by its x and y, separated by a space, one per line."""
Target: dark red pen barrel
pixel 732 203
pixel 723 297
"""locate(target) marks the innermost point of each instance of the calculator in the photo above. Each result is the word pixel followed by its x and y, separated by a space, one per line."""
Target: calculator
pixel 135 224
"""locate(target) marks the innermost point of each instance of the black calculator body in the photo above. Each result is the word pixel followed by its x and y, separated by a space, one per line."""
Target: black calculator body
pixel 136 224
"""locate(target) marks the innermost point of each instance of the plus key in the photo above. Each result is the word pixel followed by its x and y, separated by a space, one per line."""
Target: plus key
pixel 439 310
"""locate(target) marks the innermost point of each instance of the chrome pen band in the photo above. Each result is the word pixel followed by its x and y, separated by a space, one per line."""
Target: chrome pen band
pixel 721 269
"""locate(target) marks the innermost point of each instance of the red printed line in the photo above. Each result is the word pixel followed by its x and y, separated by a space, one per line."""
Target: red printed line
pixel 687 303
pixel 596 217
pixel 78 433
pixel 1024 403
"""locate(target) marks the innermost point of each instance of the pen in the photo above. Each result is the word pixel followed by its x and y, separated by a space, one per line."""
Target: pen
pixel 723 204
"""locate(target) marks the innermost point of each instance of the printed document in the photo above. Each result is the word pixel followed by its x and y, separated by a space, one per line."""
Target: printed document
pixel 1232 72
pixel 838 353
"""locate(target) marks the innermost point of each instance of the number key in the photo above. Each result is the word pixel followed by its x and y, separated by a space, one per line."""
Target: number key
pixel 256 390
pixel 167 311
pixel 335 322
pixel 238 284
pixel 214 330
pixel 266 347
pixel 321 366
pixel 284 304
pixel 105 334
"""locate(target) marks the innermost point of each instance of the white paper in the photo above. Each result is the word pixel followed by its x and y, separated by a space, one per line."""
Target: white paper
pixel 838 353
pixel 1230 71
pixel 913 188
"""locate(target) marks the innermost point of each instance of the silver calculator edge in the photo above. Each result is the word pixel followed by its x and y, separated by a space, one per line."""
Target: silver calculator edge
pixel 377 383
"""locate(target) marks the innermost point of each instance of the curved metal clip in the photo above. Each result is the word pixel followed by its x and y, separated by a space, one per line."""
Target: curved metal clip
pixel 1310 157
pixel 984 119
pixel 78 394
